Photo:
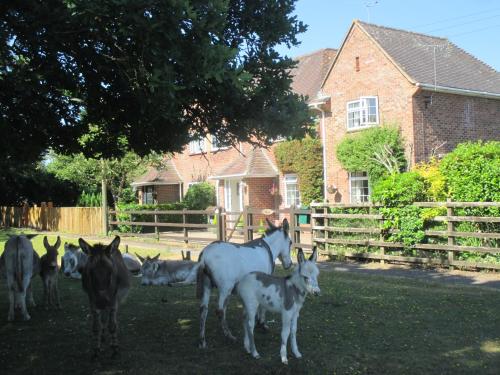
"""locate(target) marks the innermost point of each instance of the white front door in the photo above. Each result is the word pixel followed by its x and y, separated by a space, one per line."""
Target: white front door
pixel 233 198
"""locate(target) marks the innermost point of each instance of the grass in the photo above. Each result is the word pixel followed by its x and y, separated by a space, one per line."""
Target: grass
pixel 360 325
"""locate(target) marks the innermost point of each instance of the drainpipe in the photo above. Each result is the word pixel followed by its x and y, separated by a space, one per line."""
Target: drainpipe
pixel 323 143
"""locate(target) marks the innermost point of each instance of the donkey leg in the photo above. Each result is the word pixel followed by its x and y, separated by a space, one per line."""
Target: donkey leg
pixel 286 318
pixel 56 291
pixel 113 330
pixel 251 311
pixel 29 292
pixel 24 309
pixel 261 319
pixel 293 338
pixel 97 331
pixel 246 339
pixel 205 299
pixel 12 303
pixel 221 313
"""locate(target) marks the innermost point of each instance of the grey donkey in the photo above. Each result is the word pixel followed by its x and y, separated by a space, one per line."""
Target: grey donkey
pixel 285 295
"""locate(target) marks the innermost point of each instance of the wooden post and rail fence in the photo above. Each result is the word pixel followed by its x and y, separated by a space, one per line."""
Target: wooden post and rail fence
pixel 346 230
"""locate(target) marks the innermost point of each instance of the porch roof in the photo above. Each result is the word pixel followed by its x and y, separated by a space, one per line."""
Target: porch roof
pixel 256 163
pixel 154 176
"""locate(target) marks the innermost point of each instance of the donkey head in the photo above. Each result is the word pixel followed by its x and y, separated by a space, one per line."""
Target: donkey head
pixel 69 261
pixel 149 268
pixel 283 242
pixel 52 250
pixel 308 271
pixel 100 272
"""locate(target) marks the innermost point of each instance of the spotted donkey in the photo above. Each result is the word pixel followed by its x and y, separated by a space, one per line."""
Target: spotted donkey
pixel 278 294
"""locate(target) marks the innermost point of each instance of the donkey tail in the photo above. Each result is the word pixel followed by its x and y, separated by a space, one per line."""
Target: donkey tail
pixel 19 266
pixel 200 276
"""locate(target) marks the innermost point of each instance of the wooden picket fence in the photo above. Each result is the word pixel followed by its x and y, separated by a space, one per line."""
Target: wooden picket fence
pixel 77 220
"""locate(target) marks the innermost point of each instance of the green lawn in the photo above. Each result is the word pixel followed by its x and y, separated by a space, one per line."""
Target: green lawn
pixel 360 325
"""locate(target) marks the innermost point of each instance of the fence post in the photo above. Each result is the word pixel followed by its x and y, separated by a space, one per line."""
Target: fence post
pixel 292 226
pixel 246 231
pixel 325 224
pixel 157 232
pixel 382 239
pixel 186 239
pixel 220 228
pixel 451 239
pixel 104 199
pixel 313 224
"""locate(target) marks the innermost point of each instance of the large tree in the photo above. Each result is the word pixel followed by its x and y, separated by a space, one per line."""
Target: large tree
pixel 91 76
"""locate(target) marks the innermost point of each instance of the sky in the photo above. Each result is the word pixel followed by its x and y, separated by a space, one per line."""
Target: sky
pixel 473 25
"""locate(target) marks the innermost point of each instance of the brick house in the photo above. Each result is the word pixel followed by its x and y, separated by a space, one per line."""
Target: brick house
pixel 438 95
pixel 243 176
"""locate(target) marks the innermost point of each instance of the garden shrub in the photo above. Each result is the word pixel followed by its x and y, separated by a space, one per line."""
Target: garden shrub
pixel 165 218
pixel 434 178
pixel 400 189
pixel 356 152
pixel 200 196
pixel 89 199
pixel 304 157
pixel 472 172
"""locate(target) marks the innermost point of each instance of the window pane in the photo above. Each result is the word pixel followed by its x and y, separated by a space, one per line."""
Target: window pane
pixel 360 191
pixel 292 194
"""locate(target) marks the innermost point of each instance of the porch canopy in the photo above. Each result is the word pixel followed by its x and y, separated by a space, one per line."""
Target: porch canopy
pixel 256 163
pixel 167 176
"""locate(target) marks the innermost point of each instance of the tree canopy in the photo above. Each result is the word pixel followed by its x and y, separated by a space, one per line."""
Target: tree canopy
pixel 92 76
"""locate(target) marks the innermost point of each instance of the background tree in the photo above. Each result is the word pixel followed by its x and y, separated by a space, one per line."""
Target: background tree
pixel 153 73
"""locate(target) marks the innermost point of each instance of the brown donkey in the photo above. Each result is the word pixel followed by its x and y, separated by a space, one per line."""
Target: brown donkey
pixel 106 281
pixel 48 272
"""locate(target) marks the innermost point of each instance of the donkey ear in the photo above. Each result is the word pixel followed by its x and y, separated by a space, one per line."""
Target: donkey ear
pixel 114 245
pixel 140 258
pixel 271 225
pixel 300 256
pixel 30 236
pixel 314 255
pixel 58 243
pixel 84 246
pixel 46 242
pixel 285 225
pixel 155 257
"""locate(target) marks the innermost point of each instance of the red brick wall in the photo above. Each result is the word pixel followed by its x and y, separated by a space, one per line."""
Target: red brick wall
pixel 260 197
pixel 447 119
pixel 167 193
pixel 377 76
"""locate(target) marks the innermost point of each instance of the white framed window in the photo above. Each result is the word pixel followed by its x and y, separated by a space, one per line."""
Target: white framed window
pixel 148 195
pixel 217 144
pixel 197 146
pixel 359 188
pixel 362 113
pixel 292 194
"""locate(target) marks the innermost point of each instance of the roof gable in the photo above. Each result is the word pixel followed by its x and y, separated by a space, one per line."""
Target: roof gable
pixel 432 60
pixel 256 163
pixel 154 176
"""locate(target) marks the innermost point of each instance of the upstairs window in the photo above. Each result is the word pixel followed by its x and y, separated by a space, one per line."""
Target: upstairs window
pixel 292 194
pixel 358 187
pixel 217 144
pixel 362 113
pixel 197 146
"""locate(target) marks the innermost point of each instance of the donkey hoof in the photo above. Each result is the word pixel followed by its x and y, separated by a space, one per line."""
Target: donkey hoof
pixel 26 317
pixel 298 355
pixel 284 360
pixel 202 344
pixel 256 355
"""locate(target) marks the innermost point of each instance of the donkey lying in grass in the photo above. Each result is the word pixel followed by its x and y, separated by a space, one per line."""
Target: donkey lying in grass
pixel 285 295
pixel 48 272
pixel 167 272
pixel 106 280
pixel 223 264
pixel 73 261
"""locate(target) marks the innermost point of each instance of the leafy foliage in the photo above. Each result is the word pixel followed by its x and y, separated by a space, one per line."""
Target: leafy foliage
pixel 164 218
pixel 400 189
pixel 200 196
pixel 89 199
pixel 472 172
pixel 87 172
pixel 434 178
pixel 376 150
pixel 90 75
pixel 408 221
pixel 303 157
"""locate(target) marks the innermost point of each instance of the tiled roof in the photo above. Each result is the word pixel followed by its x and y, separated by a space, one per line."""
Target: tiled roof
pixel 166 176
pixel 414 54
pixel 256 163
pixel 311 70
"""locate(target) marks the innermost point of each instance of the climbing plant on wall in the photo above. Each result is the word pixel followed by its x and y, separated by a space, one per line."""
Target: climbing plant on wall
pixel 303 157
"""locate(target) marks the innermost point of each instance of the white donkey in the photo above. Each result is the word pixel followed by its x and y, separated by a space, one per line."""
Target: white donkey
pixel 285 295
pixel 73 261
pixel 223 264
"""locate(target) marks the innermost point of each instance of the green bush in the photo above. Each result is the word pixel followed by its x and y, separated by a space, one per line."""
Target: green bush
pixel 164 218
pixel 357 152
pixel 200 196
pixel 89 199
pixel 400 189
pixel 434 178
pixel 472 172
pixel 304 157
